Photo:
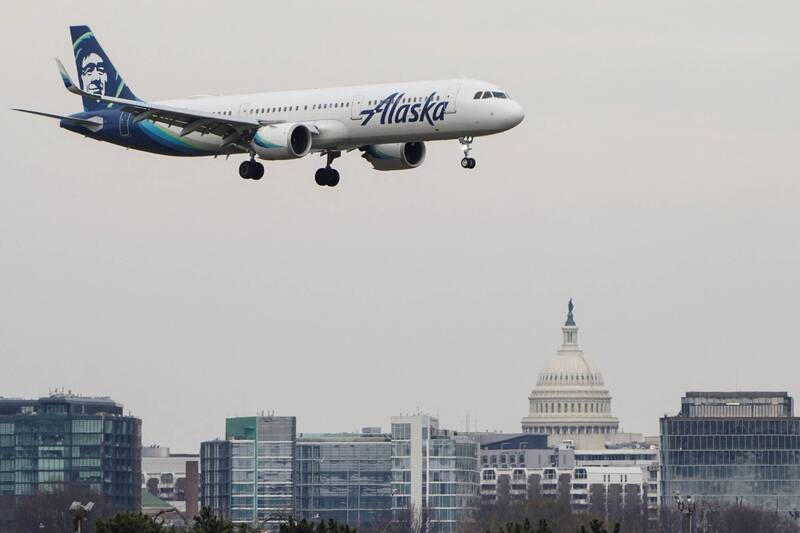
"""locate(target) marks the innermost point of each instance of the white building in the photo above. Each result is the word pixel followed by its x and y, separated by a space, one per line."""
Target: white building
pixel 570 400
pixel 164 475
pixel 603 490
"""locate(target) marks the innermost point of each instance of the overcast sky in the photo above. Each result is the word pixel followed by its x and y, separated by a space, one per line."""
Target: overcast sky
pixel 654 180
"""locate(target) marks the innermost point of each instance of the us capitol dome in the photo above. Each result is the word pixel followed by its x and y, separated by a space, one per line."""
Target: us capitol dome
pixel 570 400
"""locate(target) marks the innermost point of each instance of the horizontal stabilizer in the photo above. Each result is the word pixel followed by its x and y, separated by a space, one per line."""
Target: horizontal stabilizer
pixel 93 124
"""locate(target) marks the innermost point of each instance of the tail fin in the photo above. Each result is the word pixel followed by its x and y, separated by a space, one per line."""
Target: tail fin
pixel 96 72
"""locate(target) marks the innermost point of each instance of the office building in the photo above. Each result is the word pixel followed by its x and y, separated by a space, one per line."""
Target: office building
pixel 435 474
pixel 249 477
pixel 729 447
pixel 346 477
pixel 63 440
pixel 570 400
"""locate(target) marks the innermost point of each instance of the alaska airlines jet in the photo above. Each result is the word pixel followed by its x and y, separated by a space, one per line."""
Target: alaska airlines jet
pixel 388 123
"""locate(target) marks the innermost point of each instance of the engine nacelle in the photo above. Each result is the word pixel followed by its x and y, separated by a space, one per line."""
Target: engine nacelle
pixel 396 156
pixel 282 141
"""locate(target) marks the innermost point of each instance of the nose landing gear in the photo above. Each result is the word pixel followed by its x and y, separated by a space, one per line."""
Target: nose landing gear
pixel 328 176
pixel 466 147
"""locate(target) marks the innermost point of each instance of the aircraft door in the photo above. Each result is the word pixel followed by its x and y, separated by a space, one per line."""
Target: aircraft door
pixel 452 97
pixel 125 124
pixel 244 109
pixel 356 107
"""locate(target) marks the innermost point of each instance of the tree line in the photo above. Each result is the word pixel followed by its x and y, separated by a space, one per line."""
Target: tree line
pixel 48 513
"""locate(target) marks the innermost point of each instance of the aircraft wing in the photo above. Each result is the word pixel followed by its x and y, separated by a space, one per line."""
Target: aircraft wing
pixel 231 129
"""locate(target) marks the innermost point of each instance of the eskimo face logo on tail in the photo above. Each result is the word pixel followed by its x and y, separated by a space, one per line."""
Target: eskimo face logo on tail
pixel 94 78
pixel 391 111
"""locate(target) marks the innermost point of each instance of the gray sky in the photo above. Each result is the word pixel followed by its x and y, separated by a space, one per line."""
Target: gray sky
pixel 655 180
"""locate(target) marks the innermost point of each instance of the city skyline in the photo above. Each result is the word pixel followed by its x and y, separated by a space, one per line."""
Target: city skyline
pixel 653 181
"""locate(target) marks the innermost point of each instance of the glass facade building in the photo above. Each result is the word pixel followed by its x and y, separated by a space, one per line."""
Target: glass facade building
pixel 250 476
pixel 435 473
pixel 728 447
pixel 346 477
pixel 215 476
pixel 49 444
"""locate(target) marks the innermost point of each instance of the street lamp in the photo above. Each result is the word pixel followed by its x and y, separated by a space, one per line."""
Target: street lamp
pixel 686 507
pixel 79 514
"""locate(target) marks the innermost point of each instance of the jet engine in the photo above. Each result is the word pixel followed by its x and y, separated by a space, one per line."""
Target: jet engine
pixel 282 141
pixel 395 156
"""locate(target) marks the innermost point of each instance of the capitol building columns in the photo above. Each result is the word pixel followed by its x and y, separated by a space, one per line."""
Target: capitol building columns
pixel 570 400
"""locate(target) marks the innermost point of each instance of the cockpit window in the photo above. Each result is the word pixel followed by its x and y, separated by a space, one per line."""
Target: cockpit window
pixel 487 94
pixel 498 94
pixel 478 95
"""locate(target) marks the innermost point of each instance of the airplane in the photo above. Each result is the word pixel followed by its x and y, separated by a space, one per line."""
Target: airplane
pixel 388 123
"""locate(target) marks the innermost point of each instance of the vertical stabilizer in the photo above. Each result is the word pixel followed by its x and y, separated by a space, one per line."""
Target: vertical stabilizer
pixel 96 72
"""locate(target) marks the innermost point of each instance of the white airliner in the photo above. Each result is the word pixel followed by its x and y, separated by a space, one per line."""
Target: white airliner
pixel 389 123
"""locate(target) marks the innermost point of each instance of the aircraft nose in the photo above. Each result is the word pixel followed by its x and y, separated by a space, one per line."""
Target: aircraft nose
pixel 516 114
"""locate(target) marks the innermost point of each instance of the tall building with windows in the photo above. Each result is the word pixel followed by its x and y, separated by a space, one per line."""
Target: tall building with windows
pixel 50 444
pixel 249 477
pixel 435 473
pixel 728 447
pixel 570 400
pixel 346 477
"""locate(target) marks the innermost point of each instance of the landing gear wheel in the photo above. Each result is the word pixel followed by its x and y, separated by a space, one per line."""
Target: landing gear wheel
pixel 333 177
pixel 468 162
pixel 257 170
pixel 244 170
pixel 327 176
pixel 321 177
pixel 251 170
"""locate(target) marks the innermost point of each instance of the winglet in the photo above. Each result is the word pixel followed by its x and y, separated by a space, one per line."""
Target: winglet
pixel 65 77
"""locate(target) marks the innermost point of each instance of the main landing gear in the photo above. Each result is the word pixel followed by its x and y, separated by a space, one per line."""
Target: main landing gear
pixel 328 176
pixel 466 147
pixel 251 170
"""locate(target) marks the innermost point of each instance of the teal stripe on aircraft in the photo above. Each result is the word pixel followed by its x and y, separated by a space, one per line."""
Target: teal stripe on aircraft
pixel 82 38
pixel 265 144
pixel 172 140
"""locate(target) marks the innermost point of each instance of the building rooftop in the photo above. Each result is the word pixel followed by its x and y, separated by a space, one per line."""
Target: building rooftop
pixel 78 405
pixel 739 394
pixel 342 437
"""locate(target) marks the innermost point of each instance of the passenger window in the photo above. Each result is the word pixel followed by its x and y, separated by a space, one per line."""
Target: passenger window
pixel 487 94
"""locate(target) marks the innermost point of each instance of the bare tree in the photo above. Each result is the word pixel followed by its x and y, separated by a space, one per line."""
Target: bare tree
pixel 534 486
pixel 503 491
pixel 48 511
pixel 152 486
pixel 614 502
pixel 597 500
